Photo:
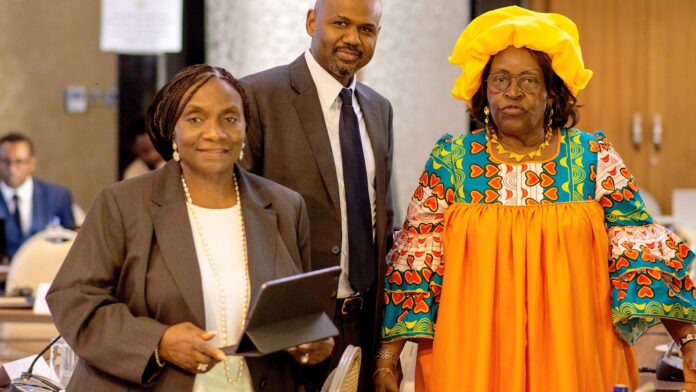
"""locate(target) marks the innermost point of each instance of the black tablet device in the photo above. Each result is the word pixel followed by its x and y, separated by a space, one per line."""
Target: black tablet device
pixel 290 311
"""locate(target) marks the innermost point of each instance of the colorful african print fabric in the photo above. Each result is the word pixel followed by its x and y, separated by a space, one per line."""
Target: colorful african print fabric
pixel 647 264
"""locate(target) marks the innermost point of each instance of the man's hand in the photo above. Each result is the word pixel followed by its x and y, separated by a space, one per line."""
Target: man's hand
pixel 312 353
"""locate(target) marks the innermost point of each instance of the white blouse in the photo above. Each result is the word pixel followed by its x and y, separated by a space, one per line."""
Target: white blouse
pixel 221 230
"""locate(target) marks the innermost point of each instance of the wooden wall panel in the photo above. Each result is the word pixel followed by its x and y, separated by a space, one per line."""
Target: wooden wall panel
pixel 671 64
pixel 643 54
pixel 44 47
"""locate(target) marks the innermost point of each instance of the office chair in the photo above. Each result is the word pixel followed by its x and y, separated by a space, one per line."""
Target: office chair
pixel 37 260
pixel 345 377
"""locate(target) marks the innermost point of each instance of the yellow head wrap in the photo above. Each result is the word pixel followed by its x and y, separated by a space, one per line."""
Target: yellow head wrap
pixel 494 31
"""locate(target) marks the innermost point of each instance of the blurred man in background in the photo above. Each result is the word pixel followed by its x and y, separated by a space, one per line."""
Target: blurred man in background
pixel 27 204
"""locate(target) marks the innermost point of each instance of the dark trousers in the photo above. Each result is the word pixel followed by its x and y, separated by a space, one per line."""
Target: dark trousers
pixel 357 326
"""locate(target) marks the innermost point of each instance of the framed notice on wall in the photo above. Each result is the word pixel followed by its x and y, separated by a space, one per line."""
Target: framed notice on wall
pixel 141 26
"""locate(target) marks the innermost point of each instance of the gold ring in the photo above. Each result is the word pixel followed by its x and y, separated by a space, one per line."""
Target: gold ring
pixel 304 359
pixel 202 367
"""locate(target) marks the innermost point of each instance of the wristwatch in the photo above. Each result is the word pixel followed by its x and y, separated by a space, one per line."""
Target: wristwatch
pixel 686 339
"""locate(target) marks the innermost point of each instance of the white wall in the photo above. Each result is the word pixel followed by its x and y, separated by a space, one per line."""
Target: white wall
pixel 249 36
pixel 410 68
pixel 410 65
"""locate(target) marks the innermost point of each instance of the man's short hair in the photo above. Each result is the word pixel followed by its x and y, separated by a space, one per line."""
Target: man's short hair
pixel 15 137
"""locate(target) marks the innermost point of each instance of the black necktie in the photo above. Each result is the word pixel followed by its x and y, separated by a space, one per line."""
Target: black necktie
pixel 361 256
pixel 15 214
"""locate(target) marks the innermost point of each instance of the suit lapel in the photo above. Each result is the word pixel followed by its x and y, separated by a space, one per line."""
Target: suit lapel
pixel 314 125
pixel 260 225
pixel 38 206
pixel 175 238
pixel 4 208
pixel 11 229
pixel 376 134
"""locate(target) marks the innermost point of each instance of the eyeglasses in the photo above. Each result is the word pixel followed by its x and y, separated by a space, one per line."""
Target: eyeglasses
pixel 501 82
pixel 16 162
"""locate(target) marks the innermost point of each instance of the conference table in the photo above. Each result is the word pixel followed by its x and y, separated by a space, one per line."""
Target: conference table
pixel 11 315
pixel 12 348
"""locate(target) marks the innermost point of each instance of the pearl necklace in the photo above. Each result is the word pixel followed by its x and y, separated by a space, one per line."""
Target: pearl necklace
pixel 493 139
pixel 218 278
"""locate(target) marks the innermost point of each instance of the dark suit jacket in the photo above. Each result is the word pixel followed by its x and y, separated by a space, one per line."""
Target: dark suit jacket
pixel 287 142
pixel 48 201
pixel 133 271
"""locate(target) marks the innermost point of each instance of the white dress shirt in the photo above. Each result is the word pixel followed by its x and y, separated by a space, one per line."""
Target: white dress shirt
pixel 222 233
pixel 328 89
pixel 24 193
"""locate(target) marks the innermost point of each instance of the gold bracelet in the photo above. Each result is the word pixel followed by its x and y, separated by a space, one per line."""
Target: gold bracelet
pixel 387 353
pixel 686 339
pixel 384 353
pixel 382 370
pixel 157 359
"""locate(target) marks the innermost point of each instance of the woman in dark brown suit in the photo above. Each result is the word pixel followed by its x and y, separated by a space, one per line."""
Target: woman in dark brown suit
pixel 165 264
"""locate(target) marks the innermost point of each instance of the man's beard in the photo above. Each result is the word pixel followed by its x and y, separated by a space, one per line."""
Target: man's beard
pixel 341 70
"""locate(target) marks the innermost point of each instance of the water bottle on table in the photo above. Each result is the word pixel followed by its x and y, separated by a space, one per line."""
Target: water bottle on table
pixel 62 361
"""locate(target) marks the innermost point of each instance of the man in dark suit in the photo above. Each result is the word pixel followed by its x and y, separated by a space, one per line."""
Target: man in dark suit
pixel 316 130
pixel 27 204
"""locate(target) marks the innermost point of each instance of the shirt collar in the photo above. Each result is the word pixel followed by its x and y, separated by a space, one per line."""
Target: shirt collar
pixel 328 87
pixel 23 191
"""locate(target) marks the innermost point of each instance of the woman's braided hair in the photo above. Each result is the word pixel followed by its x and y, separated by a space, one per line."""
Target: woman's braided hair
pixel 171 99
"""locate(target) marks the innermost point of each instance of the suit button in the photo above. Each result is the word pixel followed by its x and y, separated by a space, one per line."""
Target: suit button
pixel 335 250
pixel 262 383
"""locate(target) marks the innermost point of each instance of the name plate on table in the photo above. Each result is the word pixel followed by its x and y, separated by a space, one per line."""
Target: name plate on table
pixel 40 305
pixel 290 311
pixel 16 302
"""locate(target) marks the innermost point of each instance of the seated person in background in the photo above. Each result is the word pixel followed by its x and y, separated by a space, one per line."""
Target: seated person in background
pixel 166 264
pixel 147 158
pixel 28 205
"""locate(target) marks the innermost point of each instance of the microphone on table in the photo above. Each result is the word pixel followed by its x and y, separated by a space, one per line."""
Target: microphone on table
pixel 41 382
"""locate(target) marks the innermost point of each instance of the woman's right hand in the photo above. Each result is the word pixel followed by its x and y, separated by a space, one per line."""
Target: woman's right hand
pixel 386 381
pixel 689 366
pixel 387 375
pixel 185 345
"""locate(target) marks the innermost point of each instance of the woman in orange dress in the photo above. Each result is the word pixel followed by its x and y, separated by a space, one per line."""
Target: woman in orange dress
pixel 553 265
